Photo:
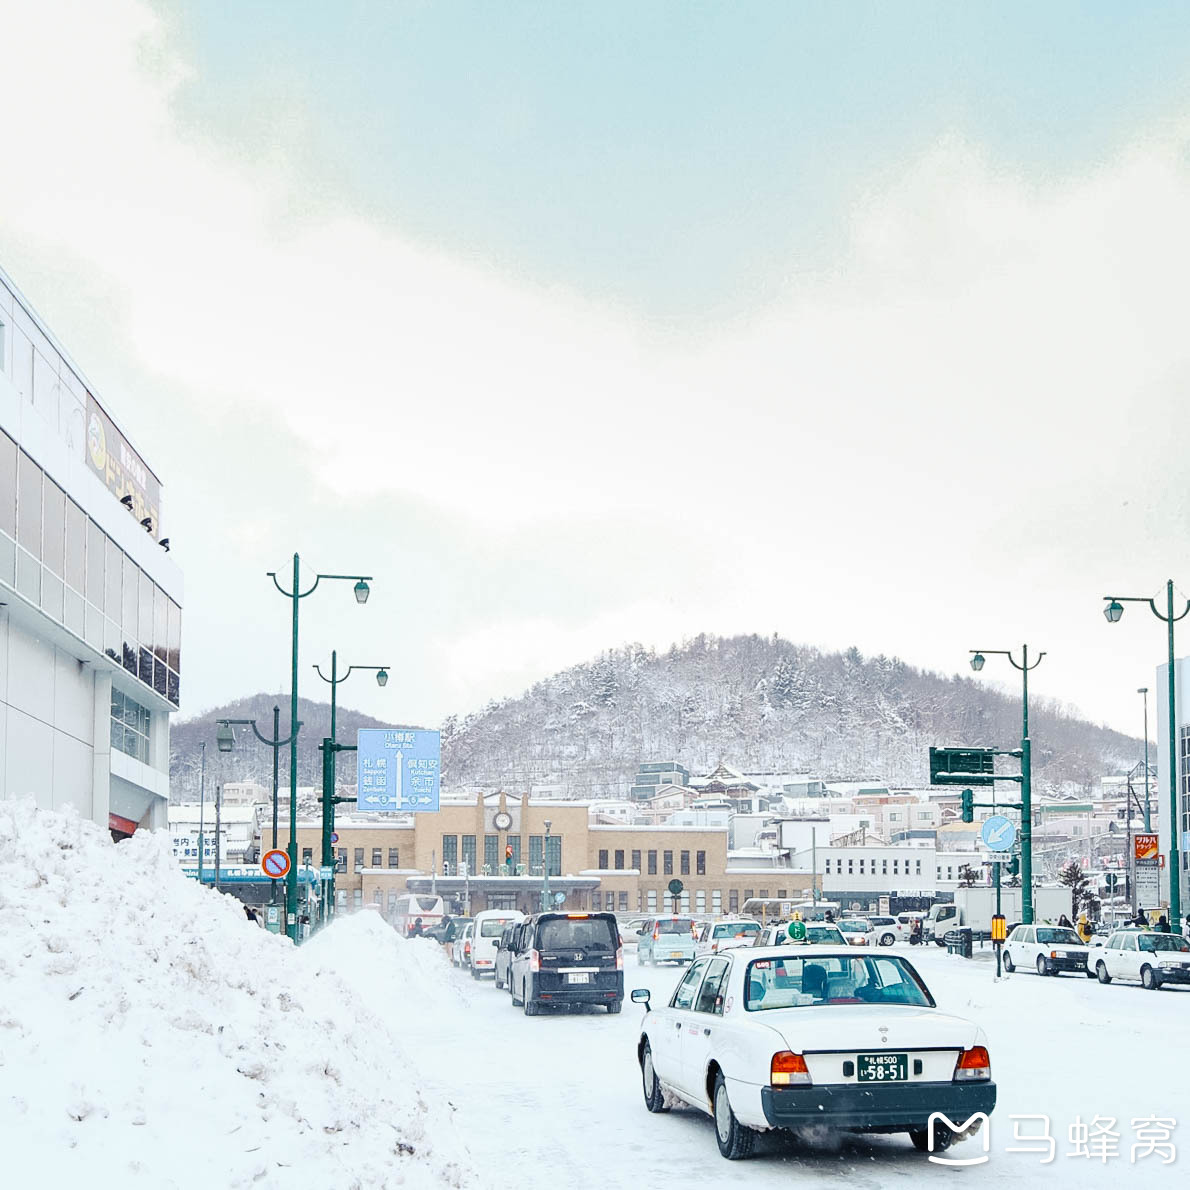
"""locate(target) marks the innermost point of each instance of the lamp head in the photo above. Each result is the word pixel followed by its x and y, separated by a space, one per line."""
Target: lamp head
pixel 126 500
pixel 362 591
pixel 382 677
pixel 164 543
pixel 1113 611
pixel 225 737
pixel 977 662
pixel 1142 690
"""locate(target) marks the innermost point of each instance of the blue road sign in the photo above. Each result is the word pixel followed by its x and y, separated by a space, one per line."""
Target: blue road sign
pixel 398 770
pixel 998 833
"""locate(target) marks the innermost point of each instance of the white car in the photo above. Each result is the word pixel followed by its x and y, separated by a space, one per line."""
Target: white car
pixel 858 931
pixel 460 949
pixel 784 1037
pixel 1153 959
pixel 723 935
pixel 1048 950
pixel 485 937
pixel 630 930
pixel 886 930
pixel 818 933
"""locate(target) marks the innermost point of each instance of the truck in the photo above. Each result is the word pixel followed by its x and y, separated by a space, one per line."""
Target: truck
pixel 973 908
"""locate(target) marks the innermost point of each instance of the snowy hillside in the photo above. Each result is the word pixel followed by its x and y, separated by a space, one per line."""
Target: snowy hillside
pixel 150 1036
pixel 762 704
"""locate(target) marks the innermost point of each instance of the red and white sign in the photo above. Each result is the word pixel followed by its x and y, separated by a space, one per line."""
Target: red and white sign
pixel 275 864
pixel 1144 846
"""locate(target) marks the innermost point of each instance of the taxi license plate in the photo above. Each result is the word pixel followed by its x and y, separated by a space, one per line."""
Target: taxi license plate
pixel 882 1068
pixel 582 977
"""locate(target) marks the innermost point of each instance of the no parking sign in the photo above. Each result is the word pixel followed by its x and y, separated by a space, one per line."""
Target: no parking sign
pixel 275 864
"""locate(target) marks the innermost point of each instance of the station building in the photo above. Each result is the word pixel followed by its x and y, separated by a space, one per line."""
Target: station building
pixel 90 600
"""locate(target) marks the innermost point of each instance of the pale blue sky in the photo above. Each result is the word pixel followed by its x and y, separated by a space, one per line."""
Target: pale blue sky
pixel 675 159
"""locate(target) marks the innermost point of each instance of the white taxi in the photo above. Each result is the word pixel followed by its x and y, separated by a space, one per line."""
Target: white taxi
pixel 715 936
pixel 1150 958
pixel 784 1037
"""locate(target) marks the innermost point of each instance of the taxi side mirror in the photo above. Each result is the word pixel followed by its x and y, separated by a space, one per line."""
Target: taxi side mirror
pixel 641 996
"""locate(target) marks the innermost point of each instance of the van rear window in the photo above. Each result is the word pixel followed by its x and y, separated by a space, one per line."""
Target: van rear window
pixel 493 927
pixel 674 925
pixel 574 933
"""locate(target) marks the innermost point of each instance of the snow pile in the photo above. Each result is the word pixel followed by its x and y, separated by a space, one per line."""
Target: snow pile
pixel 150 1036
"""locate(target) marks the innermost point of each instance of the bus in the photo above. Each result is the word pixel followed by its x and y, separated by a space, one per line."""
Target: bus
pixel 411 906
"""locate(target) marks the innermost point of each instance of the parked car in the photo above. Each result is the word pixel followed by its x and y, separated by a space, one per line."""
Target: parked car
pixel 780 1037
pixel 714 936
pixel 905 923
pixel 886 931
pixel 666 940
pixel 460 948
pixel 503 959
pixel 566 959
pixel 630 930
pixel 858 931
pixel 817 934
pixel 1048 950
pixel 1151 958
pixel 489 925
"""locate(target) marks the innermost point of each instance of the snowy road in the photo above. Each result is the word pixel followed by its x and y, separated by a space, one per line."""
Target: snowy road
pixel 555 1100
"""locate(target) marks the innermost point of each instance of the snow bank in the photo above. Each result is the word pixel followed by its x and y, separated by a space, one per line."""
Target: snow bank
pixel 150 1036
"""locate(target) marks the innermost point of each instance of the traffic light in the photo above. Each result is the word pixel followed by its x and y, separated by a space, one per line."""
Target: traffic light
pixel 968 806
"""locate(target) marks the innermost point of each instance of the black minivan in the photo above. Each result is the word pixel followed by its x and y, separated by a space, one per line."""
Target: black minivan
pixel 566 958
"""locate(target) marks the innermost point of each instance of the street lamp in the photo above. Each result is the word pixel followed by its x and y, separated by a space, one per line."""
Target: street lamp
pixel 1145 691
pixel 1024 666
pixel 545 869
pixel 202 805
pixel 1113 611
pixel 225 735
pixel 296 595
pixel 328 810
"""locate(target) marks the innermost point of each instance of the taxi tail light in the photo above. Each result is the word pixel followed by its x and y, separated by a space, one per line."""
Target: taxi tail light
pixel 534 960
pixel 788 1070
pixel 973 1064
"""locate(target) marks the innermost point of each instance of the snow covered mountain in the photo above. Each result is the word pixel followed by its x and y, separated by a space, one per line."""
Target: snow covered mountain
pixel 762 704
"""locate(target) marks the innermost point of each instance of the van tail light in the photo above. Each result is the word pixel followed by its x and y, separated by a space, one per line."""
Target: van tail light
pixel 619 958
pixel 466 948
pixel 534 960
pixel 788 1070
pixel 973 1065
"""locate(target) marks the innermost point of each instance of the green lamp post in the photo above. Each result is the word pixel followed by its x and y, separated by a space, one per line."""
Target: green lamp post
pixel 296 595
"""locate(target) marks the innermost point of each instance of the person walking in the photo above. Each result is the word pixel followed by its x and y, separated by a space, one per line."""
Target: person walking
pixel 1066 922
pixel 1162 925
pixel 415 930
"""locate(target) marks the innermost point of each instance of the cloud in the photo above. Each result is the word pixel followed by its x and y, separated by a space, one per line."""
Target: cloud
pixel 966 421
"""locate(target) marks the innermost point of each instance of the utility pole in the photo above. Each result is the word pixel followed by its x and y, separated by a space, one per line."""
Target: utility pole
pixel 202 801
pixel 218 830
pixel 545 869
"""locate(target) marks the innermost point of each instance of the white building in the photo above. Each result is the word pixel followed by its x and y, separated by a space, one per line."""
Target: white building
pixel 90 633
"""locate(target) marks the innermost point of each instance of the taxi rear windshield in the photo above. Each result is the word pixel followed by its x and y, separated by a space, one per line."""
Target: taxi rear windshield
pixel 795 982
pixel 736 929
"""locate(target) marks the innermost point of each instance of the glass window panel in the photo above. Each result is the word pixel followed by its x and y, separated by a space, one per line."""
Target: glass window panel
pixel 8 561
pixel 29 576
pixel 160 677
pixel 72 612
pixel 29 504
pixel 112 644
pixel 159 623
pixel 51 595
pixel 175 636
pixel 95 543
pixel 128 656
pixel 128 602
pixel 53 532
pixel 94 625
pixel 8 485
pixel 174 692
pixel 76 546
pixel 111 597
pixel 145 612
pixel 145 670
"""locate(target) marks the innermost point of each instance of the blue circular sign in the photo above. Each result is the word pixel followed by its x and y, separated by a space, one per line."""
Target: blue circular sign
pixel 998 833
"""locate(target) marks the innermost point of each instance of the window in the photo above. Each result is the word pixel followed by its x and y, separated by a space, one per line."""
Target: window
pixel 376 857
pixel 357 898
pixel 8 485
pixel 393 858
pixel 919 867
pixel 651 898
pixel 307 855
pixel 554 854
pixel 861 867
pixel 624 902
pixel 535 848
pixel 603 855
pixel 54 527
pixel 684 993
pixel 468 856
pixel 491 853
pixel 595 900
pixel 29 504
pixel 514 841
pixel 685 863
pixel 708 995
pixel 668 858
pixel 652 863
pixel 850 866
pixel 341 860
pixel 716 900
pixel 359 858
pixel 700 900
pixel 884 867
pixel 748 894
pixel 130 727
pixel 700 863
pixel 763 894
pixel 619 860
pixel 450 853
pixel 636 861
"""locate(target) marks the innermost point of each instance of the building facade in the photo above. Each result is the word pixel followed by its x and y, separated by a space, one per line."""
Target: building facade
pixel 90 630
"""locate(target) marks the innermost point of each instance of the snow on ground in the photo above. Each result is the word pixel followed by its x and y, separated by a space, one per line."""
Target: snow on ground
pixel 150 1036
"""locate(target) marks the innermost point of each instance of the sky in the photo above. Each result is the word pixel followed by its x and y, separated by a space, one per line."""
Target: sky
pixel 578 325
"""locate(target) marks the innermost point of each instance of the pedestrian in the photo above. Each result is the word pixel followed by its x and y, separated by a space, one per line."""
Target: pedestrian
pixel 415 930
pixel 1162 926
pixel 1065 921
pixel 1188 925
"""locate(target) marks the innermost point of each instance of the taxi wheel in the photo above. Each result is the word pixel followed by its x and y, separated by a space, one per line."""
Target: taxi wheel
pixel 1043 968
pixel 735 1141
pixel 943 1139
pixel 1150 979
pixel 654 1096
pixel 1009 965
pixel 1101 973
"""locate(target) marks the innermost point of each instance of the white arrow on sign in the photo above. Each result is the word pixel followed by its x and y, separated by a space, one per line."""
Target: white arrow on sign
pixel 400 779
